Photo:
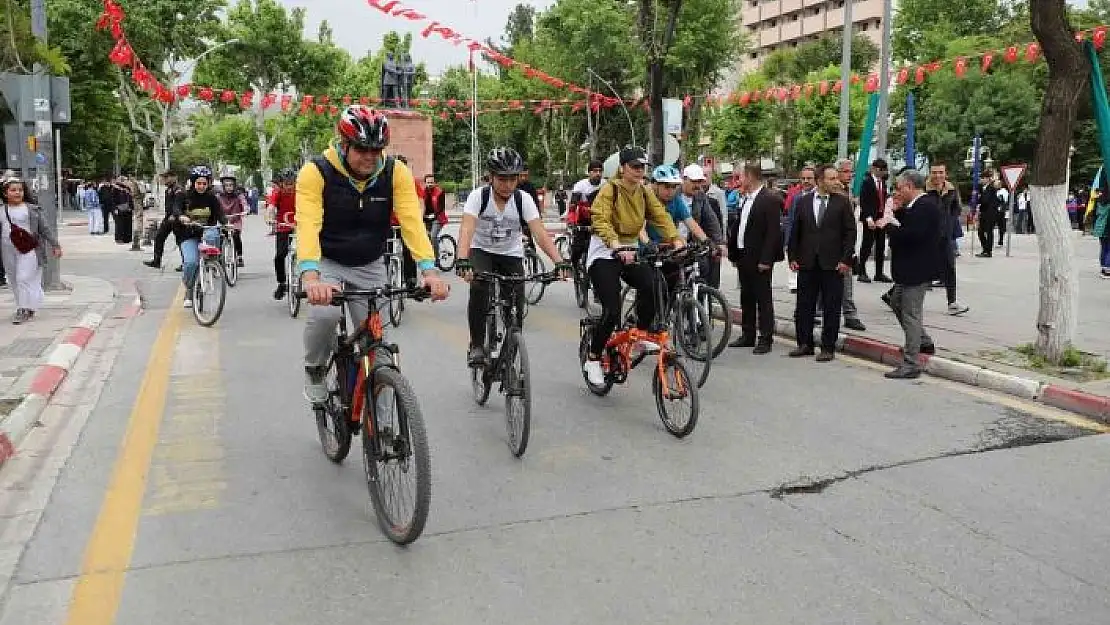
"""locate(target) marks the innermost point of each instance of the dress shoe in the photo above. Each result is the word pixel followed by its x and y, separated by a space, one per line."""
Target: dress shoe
pixel 855 324
pixel 154 263
pixel 983 255
pixel 801 352
pixel 904 372
pixel 882 278
pixel 826 355
pixel 743 342
pixel 863 278
pixel 929 349
pixel 762 348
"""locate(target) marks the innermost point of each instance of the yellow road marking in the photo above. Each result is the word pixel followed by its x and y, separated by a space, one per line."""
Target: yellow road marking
pixel 96 596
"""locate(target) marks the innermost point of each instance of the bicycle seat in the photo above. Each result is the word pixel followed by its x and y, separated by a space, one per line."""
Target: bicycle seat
pixel 208 250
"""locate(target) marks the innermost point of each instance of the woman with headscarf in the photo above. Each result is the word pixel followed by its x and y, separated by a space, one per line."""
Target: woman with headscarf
pixel 25 234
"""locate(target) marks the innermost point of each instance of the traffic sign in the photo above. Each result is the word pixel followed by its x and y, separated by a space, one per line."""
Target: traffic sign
pixel 1011 175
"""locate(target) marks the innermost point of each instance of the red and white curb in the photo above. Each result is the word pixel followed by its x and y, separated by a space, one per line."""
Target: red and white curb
pixel 1087 404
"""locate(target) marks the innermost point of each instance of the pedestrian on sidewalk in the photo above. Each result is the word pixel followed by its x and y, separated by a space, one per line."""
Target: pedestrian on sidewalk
pixel 122 210
pixel 107 202
pixel 174 204
pixel 948 198
pixel 89 201
pixel 913 229
pixel 25 234
pixel 821 246
pixel 872 202
pixel 845 170
pixel 990 206
pixel 1101 228
pixel 807 183
pixel 754 246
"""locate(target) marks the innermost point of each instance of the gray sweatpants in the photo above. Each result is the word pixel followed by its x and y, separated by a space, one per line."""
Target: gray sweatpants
pixel 323 321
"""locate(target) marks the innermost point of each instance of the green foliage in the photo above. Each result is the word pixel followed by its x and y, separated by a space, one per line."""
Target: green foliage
pixel 819 121
pixel 745 131
pixel 269 52
pixel 923 28
pixel 794 65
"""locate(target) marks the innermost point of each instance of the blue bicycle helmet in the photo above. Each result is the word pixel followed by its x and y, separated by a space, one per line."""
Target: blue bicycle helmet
pixel 666 174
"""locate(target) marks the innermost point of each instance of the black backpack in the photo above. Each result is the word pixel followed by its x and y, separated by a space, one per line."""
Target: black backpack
pixel 518 199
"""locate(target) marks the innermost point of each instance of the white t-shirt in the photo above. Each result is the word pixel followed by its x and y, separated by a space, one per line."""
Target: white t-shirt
pixel 498 231
pixel 584 187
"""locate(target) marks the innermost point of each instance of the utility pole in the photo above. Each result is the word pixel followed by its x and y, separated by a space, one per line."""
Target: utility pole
pixel 845 80
pixel 883 128
pixel 42 171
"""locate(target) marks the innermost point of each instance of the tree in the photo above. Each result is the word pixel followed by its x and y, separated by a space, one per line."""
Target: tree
pixel 922 28
pixel 658 20
pixel 520 25
pixel 21 50
pixel 270 54
pixel 1067 79
pixel 819 121
pixel 745 131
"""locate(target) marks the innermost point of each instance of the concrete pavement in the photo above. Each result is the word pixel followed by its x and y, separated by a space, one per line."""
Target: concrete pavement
pixel 808 494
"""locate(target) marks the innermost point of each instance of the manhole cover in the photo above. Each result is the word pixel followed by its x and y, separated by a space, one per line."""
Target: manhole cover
pixel 27 348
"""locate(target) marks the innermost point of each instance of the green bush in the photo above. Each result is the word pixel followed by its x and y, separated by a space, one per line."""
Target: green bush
pixel 450 187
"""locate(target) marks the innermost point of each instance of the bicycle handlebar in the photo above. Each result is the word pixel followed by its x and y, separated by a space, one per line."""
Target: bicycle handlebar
pixel 418 293
pixel 546 278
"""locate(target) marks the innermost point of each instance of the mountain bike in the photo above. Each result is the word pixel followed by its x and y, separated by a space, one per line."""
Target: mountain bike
pixel 364 382
pixel 507 356
pixel 671 381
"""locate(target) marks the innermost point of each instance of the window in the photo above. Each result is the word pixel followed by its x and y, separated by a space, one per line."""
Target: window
pixel 772 23
pixel 753 56
pixel 793 17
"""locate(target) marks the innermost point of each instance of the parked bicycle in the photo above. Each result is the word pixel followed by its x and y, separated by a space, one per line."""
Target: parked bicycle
pixel 671 381
pixel 365 386
pixel 507 356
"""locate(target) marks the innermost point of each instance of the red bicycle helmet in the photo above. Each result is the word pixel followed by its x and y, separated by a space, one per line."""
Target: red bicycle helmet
pixel 364 127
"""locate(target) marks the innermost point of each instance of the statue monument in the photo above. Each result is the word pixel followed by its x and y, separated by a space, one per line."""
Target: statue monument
pixel 408 75
pixel 391 82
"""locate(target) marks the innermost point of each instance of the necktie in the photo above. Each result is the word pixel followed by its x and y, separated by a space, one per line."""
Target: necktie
pixel 821 202
pixel 882 196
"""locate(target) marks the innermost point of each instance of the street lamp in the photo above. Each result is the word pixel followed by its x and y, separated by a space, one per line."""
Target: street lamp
pixel 631 127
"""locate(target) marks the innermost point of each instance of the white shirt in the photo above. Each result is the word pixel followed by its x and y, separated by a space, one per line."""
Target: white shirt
pixel 817 201
pixel 584 187
pixel 745 214
pixel 498 231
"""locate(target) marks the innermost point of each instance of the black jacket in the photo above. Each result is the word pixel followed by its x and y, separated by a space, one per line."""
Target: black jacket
pixel 202 208
pixel 763 236
pixel 915 245
pixel 827 245
pixel 869 204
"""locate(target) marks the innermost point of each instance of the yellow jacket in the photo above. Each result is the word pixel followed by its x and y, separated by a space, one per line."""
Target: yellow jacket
pixel 310 213
pixel 620 210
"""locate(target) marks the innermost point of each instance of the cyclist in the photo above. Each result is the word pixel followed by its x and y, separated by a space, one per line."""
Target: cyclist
pixel 665 184
pixel 283 199
pixel 490 240
pixel 581 197
pixel 435 209
pixel 233 202
pixel 195 219
pixel 344 202
pixel 619 214
pixel 408 265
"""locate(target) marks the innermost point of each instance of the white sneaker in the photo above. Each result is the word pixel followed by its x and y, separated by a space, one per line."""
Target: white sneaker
pixel 594 374
pixel 643 348
pixel 188 303
pixel 314 389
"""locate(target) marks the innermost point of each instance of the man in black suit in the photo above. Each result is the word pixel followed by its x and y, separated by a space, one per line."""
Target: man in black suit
pixel 754 246
pixel 914 230
pixel 822 244
pixel 872 201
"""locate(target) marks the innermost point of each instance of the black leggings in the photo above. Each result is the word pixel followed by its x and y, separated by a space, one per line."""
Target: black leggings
pixel 237 240
pixel 606 275
pixel 478 306
pixel 281 250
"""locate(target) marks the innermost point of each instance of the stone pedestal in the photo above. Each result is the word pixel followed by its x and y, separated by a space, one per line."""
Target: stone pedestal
pixel 410 135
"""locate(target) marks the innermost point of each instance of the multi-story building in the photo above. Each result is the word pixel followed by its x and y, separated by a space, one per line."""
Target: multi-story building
pixel 780 24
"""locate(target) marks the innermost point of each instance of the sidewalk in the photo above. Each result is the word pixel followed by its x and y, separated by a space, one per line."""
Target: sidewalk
pixel 1003 294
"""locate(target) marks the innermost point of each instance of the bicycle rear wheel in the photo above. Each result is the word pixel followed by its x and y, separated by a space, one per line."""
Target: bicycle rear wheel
pixel 231 261
pixel 396 448
pixel 584 351
pixel 447 249
pixel 691 333
pixel 397 302
pixel 581 287
pixel 720 316
pixel 671 388
pixel 209 292
pixel 333 418
pixel 518 393
pixel 534 265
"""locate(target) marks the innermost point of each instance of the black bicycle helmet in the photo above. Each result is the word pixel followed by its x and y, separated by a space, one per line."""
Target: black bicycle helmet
pixel 286 175
pixel 504 161
pixel 200 171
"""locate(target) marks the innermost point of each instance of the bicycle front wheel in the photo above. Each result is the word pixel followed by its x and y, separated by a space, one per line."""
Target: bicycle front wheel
pixel 333 418
pixel 445 256
pixel 534 265
pixel 231 262
pixel 691 332
pixel 396 457
pixel 209 292
pixel 720 316
pixel 397 302
pixel 676 398
pixel 294 285
pixel 581 288
pixel 518 394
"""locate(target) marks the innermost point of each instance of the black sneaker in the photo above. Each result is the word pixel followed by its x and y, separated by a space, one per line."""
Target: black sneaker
pixel 476 356
pixel 280 291
pixel 154 263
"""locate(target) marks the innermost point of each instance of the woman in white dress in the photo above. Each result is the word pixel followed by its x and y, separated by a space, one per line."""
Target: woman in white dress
pixel 24 269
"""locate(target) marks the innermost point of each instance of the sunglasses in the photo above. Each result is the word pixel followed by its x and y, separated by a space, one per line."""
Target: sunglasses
pixel 362 149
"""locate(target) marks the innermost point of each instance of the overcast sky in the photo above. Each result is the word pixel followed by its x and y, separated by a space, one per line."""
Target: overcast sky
pixel 359 27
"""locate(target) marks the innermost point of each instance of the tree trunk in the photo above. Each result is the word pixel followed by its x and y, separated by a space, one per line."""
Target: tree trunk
pixel 656 47
pixel 655 102
pixel 1067 77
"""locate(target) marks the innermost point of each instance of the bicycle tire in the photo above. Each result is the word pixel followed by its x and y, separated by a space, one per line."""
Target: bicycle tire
pixel 481 380
pixel 396 303
pixel 534 265
pixel 447 249
pixel 294 285
pixel 628 306
pixel 691 333
pixel 518 384
pixel 414 440
pixel 583 351
pixel 219 282
pixel 563 245
pixel 678 431
pixel 230 262
pixel 581 288
pixel 335 413
pixel 720 316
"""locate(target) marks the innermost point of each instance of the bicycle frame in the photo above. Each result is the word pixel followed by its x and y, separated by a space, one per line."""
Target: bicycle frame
pixel 363 345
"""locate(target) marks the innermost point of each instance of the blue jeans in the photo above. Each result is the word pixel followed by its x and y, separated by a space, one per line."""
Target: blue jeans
pixel 190 255
pixel 1104 252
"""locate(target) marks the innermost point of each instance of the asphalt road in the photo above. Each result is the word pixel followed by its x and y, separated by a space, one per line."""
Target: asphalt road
pixel 190 488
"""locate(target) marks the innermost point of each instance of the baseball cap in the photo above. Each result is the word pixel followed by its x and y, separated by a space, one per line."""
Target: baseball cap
pixel 633 155
pixel 693 172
